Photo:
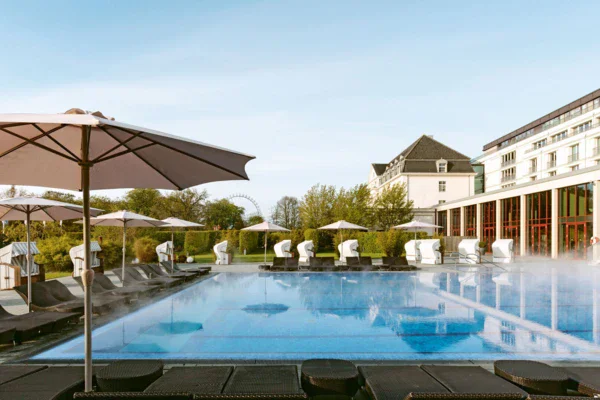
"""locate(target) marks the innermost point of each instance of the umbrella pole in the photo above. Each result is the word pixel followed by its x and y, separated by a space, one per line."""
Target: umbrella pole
pixel 124 251
pixel 266 247
pixel 87 274
pixel 172 250
pixel 28 259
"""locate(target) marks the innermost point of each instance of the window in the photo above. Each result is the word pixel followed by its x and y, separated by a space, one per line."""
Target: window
pixel 442 186
pixel 508 158
pixel 573 153
pixel 508 174
pixel 533 165
pixel 442 167
pixel 575 167
pixel 533 178
pixel 552 159
pixel 552 173
pixel 441 201
pixel 586 126
pixel 559 136
pixel 540 144
pixel 597 162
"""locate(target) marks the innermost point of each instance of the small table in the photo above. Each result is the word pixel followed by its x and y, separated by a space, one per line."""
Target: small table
pixel 129 376
pixel 329 377
pixel 533 376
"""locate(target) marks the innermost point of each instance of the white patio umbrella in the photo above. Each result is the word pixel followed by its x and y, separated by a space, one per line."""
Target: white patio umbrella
pixel 82 151
pixel 37 209
pixel 125 219
pixel 342 225
pixel 173 223
pixel 266 227
pixel 415 226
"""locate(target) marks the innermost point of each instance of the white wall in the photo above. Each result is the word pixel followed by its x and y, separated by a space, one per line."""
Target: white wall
pixel 423 189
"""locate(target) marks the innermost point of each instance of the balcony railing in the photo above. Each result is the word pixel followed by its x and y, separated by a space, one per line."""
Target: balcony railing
pixel 595 151
pixel 508 178
pixel 532 169
pixel 507 163
pixel 551 164
pixel 573 158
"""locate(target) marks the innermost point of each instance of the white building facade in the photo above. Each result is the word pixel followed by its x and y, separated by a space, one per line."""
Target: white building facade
pixel 432 172
pixel 541 186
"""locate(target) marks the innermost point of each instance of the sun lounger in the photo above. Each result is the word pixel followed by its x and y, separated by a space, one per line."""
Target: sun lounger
pixel 202 380
pixel 101 304
pixel 585 380
pixel 7 335
pixel 291 264
pixel 197 270
pixel 397 263
pixel 49 383
pixel 154 271
pixel 388 382
pixel 271 379
pixel 27 326
pixel 138 290
pixel 353 263
pixel 134 277
pixel 470 396
pixel 134 395
pixel 366 264
pixel 533 376
pixel 472 379
pixel 9 373
pixel 98 290
pixel 328 264
pixel 315 264
pixel 278 264
pixel 43 300
pixel 161 271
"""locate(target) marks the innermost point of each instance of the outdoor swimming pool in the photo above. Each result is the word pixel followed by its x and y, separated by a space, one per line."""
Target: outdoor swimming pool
pixel 546 314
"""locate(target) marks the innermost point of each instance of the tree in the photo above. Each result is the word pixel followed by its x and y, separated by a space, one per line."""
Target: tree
pixel 254 219
pixel 286 213
pixel 316 207
pixel 392 207
pixel 185 204
pixel 144 201
pixel 354 205
pixel 62 197
pixel 223 214
pixel 13 191
pixel 106 204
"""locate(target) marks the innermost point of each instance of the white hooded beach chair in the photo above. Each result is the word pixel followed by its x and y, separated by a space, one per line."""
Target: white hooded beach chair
pixel 13 270
pixel 164 250
pixel 220 250
pixel 77 253
pixel 430 251
pixel 282 249
pixel 412 250
pixel 348 248
pixel 468 251
pixel 305 251
pixel 503 251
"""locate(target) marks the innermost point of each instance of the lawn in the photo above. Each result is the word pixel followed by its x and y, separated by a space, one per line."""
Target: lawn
pixel 57 274
pixel 258 257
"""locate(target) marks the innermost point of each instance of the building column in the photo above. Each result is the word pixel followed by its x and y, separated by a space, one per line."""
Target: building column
pixel 596 220
pixel 462 221
pixel 554 220
pixel 449 223
pixel 498 220
pixel 478 221
pixel 522 224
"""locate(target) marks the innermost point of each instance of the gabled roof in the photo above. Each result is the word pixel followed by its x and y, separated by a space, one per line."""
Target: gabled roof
pixel 379 168
pixel 421 157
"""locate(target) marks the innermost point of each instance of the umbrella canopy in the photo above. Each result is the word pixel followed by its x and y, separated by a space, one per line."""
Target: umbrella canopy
pixel 37 209
pixel 342 225
pixel 266 227
pixel 94 152
pixel 125 219
pixel 173 223
pixel 415 225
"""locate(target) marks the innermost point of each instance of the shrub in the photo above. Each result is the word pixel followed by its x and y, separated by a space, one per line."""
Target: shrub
pixel 163 236
pixel 321 239
pixel 54 253
pixel 392 242
pixel 145 249
pixel 112 254
pixel 200 242
pixel 181 259
pixel 369 243
pixel 249 241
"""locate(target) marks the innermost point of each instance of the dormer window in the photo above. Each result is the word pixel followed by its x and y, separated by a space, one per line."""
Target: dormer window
pixel 442 166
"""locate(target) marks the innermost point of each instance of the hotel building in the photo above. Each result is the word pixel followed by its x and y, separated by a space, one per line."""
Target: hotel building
pixel 540 186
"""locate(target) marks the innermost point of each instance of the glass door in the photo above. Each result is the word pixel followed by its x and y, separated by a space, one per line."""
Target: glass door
pixel 576 243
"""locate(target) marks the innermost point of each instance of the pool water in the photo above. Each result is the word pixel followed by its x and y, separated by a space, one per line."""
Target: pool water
pixel 543 314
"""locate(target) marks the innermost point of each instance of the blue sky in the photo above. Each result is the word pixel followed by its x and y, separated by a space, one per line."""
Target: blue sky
pixel 317 90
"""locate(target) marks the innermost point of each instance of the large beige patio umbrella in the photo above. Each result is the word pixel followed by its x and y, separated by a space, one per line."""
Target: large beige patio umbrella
pixel 125 219
pixel 266 227
pixel 173 223
pixel 342 225
pixel 37 209
pixel 82 151
pixel 415 225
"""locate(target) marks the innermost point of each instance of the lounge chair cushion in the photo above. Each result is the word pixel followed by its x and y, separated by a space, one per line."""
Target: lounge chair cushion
pixel 271 379
pixel 11 372
pixel 471 379
pixel 384 382
pixel 585 380
pixel 535 377
pixel 49 383
pixel 205 380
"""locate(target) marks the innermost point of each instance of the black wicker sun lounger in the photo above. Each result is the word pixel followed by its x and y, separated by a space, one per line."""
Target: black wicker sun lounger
pixel 353 263
pixel 315 264
pixel 137 290
pixel 278 264
pixel 42 300
pixel 533 376
pixel 101 303
pixel 158 271
pixel 134 277
pixel 472 379
pixel 47 384
pixel 397 263
pixel 366 264
pixel 384 382
pixel 272 379
pixel 328 264
pixel 197 270
pixel 7 335
pixel 291 264
pixel 30 325
pixel 201 380
pixel 9 373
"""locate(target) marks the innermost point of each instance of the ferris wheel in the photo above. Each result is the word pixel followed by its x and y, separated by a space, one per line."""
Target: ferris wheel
pixel 250 199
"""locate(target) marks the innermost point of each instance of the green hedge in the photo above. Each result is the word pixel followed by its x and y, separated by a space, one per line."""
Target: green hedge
pixel 251 242
pixel 200 242
pixel 145 249
pixel 165 236
pixel 54 253
pixel 369 243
